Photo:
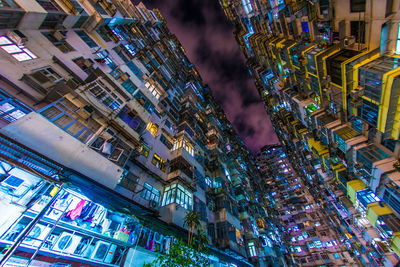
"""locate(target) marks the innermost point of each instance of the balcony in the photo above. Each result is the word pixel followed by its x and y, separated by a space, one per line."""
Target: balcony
pixel 57 144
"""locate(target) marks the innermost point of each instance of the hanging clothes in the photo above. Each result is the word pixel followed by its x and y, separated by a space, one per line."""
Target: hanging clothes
pixel 73 214
pixel 88 212
pixel 98 216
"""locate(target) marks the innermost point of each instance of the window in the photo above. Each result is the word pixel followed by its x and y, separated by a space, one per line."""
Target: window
pixel 104 95
pixel 150 193
pixel 398 41
pixel 165 141
pixel 152 128
pixel 19 52
pixel 153 90
pixel 11 109
pixel 57 38
pixel 129 86
pixel 146 104
pixel 176 193
pixel 336 255
pixel 129 181
pixel 104 55
pixel 357 5
pixel 49 5
pixel 89 41
pixel 185 144
pixel 252 249
pixel 168 124
pixel 144 150
pixel 389 8
pixel 247 6
pixel 85 64
pixel 134 69
pixel 63 114
pixel 357 29
pixel 159 162
pixel 46 74
pixel 200 207
pixel 103 34
pixel 208 181
pixel 130 118
pixel 227 175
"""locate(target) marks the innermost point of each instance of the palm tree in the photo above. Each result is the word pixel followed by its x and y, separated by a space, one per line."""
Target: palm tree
pixel 192 221
pixel 201 239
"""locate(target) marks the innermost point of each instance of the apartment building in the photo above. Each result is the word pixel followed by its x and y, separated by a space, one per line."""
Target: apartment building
pixel 109 136
pixel 327 72
pixel 307 232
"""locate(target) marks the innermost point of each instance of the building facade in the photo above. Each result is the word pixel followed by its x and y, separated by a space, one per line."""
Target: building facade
pixel 109 136
pixel 327 72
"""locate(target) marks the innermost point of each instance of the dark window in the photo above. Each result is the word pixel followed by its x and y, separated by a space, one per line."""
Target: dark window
pixel 129 86
pixel 357 29
pixel 131 119
pixel 146 104
pixel 357 5
pixel 58 40
pixel 200 207
pixel 80 21
pixel 134 69
pixel 165 141
pixel 389 8
pixel 89 41
pixel 52 21
pixel 49 5
pixel 129 181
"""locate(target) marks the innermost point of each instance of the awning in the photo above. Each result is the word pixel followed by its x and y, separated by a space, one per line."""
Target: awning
pixel 375 210
pixel 352 188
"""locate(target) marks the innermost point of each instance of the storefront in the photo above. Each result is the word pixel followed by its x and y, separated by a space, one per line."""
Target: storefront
pixel 75 229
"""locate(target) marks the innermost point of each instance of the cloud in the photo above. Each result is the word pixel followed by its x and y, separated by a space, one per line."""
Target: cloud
pixel 208 39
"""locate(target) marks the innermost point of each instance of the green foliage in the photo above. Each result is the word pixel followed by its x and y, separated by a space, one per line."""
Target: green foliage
pixel 181 255
pixel 192 253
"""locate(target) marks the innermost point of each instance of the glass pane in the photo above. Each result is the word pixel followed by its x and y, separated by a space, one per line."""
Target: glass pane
pixel 11 49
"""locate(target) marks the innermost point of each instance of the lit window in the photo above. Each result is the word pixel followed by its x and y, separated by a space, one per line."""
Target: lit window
pixel 19 52
pixel 176 193
pixel 153 90
pixel 208 181
pixel 185 144
pixel 227 175
pixel 159 162
pixel 150 193
pixel 152 128
pixel 398 41
pixel 247 6
pixel 252 249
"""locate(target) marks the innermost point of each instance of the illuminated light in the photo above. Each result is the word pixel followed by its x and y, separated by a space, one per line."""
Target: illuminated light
pixel 19 52
pixel 152 128
pixel 247 6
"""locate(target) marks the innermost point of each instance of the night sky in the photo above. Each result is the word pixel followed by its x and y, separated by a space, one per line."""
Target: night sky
pixel 208 40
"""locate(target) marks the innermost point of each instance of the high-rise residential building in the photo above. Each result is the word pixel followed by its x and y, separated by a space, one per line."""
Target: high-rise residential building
pixel 328 72
pixel 108 136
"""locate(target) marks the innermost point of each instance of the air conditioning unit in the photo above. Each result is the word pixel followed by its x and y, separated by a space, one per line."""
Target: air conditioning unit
pixel 348 41
pixel 100 251
pixel 67 243
pixel 17 37
pixel 153 204
pixel 59 36
pixel 37 235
